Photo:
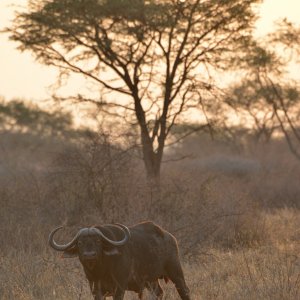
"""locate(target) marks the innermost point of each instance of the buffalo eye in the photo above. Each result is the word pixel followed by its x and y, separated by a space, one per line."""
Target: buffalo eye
pixel 98 241
pixel 79 243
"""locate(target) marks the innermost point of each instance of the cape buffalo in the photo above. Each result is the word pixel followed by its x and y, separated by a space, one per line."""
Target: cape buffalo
pixel 116 258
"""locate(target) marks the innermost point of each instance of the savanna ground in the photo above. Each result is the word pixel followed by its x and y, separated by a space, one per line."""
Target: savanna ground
pixel 234 211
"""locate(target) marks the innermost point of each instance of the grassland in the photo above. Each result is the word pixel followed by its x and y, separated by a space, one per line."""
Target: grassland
pixel 235 213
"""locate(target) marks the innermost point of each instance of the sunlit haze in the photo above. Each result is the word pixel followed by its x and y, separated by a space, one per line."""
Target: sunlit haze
pixel 22 77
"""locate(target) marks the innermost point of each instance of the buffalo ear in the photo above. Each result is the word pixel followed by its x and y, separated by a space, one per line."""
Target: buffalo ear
pixel 111 252
pixel 70 253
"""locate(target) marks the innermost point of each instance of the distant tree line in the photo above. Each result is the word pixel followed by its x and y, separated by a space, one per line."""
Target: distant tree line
pixel 23 116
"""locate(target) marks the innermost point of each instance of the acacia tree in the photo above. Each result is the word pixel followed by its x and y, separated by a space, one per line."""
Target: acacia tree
pixel 158 56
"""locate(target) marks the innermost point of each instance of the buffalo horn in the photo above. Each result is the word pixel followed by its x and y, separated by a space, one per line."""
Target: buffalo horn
pixel 58 247
pixel 116 243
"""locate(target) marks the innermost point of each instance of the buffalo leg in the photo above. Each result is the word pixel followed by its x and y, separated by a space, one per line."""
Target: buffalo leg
pixel 97 291
pixel 98 296
pixel 175 273
pixel 182 288
pixel 119 295
pixel 121 282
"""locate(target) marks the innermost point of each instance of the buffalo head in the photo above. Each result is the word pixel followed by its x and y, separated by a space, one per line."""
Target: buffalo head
pixel 90 243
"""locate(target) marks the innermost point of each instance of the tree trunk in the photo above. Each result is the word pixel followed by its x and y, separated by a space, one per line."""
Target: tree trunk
pixel 152 164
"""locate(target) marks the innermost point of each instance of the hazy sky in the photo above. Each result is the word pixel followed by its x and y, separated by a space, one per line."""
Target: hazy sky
pixel 22 77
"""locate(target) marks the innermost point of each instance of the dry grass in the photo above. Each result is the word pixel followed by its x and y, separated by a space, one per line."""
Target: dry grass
pixel 269 271
pixel 237 226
